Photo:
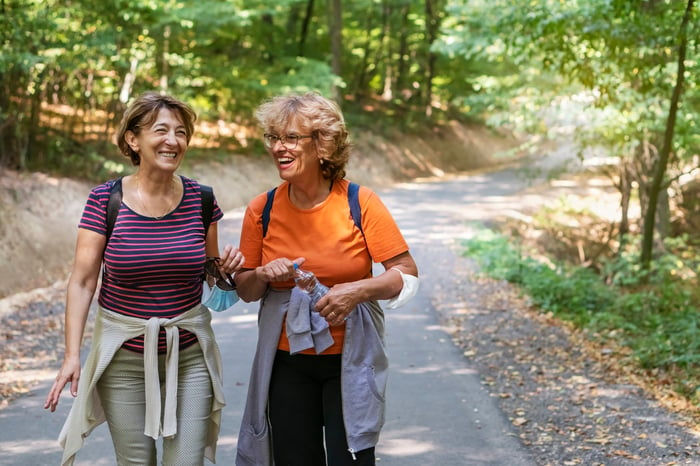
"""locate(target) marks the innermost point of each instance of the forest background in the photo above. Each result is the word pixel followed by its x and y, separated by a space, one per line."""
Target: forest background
pixel 413 78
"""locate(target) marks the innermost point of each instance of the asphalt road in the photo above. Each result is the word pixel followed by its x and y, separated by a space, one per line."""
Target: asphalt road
pixel 438 411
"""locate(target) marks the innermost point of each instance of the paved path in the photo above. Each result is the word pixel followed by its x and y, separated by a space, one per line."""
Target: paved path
pixel 438 411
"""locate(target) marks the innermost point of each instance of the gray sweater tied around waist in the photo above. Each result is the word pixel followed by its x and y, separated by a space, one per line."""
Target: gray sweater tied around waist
pixel 363 374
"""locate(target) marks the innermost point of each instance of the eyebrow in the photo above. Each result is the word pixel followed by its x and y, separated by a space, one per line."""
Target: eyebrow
pixel 159 125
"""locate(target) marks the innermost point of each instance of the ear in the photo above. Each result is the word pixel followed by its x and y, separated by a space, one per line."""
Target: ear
pixel 132 140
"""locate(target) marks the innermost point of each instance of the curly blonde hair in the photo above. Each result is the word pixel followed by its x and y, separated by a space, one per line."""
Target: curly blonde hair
pixel 318 115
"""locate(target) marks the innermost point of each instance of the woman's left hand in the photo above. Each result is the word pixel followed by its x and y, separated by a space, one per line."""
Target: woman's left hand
pixel 342 299
pixel 231 260
pixel 338 303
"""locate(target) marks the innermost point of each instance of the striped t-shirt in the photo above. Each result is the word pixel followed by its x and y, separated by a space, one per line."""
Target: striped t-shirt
pixel 152 267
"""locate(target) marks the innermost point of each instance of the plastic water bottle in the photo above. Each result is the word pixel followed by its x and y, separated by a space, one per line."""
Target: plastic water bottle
pixel 308 283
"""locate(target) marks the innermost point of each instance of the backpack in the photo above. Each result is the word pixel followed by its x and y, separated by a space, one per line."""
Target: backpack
pixel 353 201
pixel 115 200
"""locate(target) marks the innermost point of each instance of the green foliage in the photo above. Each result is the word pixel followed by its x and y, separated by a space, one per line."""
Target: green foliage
pixel 498 62
pixel 72 67
pixel 497 257
pixel 679 262
pixel 660 323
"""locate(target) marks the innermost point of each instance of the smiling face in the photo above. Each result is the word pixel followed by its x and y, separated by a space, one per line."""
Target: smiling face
pixel 299 163
pixel 306 114
pixel 161 145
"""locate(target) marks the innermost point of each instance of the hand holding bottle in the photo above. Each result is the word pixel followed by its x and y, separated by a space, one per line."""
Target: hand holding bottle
pixel 307 282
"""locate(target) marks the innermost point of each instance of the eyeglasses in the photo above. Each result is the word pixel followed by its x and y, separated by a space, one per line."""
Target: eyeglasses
pixel 289 141
pixel 215 277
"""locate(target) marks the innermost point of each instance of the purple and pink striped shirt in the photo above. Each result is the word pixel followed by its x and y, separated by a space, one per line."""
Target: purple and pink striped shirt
pixel 152 267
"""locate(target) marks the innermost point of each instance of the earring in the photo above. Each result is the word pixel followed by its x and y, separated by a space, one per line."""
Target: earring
pixel 321 161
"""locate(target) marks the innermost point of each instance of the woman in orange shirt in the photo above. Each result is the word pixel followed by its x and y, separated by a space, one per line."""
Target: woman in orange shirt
pixel 319 374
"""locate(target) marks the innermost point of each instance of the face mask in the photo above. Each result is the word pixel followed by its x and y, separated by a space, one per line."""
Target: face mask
pixel 221 292
pixel 220 300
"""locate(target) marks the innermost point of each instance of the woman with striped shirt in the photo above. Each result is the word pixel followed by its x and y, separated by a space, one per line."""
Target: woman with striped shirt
pixel 154 368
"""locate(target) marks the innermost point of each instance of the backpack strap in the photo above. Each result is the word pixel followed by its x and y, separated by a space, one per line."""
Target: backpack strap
pixel 353 201
pixel 266 210
pixel 115 201
pixel 207 206
pixel 356 212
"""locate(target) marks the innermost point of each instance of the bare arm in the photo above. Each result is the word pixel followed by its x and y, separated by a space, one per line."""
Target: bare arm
pixel 343 297
pixel 231 258
pixel 81 289
pixel 252 283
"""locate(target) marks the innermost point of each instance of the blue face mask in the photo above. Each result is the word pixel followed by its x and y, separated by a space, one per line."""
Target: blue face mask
pixel 222 292
pixel 220 300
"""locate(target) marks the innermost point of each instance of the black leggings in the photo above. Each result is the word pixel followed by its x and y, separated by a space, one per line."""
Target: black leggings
pixel 305 397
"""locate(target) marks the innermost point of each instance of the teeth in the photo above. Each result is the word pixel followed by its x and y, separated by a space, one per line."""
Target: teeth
pixel 285 160
pixel 171 155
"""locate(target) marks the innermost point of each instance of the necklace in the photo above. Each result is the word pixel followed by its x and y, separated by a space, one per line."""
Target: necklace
pixel 146 209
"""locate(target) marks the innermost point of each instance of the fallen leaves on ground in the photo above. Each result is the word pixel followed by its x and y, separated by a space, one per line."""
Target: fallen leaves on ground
pixel 570 400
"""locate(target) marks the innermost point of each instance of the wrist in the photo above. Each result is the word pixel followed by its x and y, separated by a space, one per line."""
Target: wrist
pixel 71 355
pixel 260 275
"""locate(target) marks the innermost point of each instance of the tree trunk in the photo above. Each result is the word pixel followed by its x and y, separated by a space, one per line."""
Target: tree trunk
pixel 384 49
pixel 335 27
pixel 270 49
pixel 625 188
pixel 432 26
pixel 164 60
pixel 129 79
pixel 293 40
pixel 402 67
pixel 305 26
pixel 31 129
pixel 361 79
pixel 664 154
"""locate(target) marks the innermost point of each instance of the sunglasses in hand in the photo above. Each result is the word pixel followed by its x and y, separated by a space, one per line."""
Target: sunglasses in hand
pixel 214 275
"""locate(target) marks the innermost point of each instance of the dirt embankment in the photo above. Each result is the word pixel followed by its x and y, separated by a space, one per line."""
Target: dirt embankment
pixel 39 213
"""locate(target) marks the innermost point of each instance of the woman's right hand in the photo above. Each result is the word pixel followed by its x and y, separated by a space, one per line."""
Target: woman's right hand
pixel 278 270
pixel 252 284
pixel 69 373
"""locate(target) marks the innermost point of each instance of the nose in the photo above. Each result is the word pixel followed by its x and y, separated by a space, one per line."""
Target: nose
pixel 171 138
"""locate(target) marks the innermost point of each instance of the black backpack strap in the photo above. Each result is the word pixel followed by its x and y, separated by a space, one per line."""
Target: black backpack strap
pixel 207 206
pixel 354 201
pixel 266 210
pixel 115 201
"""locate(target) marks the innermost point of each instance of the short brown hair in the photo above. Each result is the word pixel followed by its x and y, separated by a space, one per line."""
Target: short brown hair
pixel 320 116
pixel 143 112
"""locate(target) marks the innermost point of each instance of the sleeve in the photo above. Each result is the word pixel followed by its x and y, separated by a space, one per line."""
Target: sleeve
pixel 251 232
pixel 94 216
pixel 217 213
pixel 383 236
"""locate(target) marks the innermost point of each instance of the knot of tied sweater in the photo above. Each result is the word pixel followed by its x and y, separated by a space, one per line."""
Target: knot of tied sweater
pixel 150 365
pixel 305 327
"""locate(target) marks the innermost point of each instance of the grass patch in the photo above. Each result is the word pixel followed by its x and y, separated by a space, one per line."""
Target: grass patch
pixel 659 323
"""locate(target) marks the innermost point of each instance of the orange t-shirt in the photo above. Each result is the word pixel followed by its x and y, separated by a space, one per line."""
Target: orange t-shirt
pixel 334 248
